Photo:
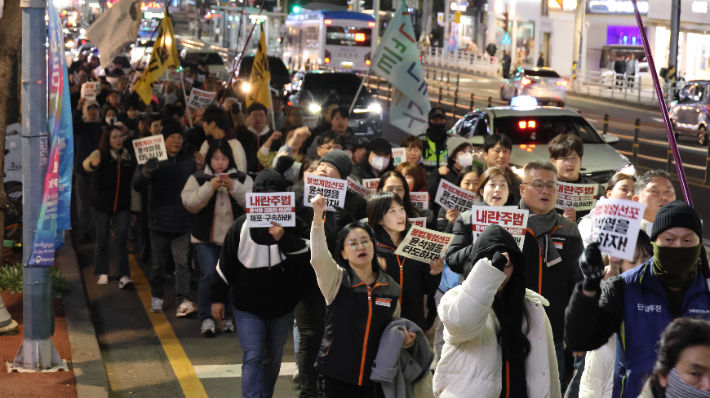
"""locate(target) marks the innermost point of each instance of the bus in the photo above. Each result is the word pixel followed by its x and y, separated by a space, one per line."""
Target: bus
pixel 339 40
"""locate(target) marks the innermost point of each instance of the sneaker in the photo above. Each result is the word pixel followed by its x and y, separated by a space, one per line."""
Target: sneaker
pixel 208 329
pixel 156 305
pixel 186 308
pixel 125 283
pixel 227 326
pixel 103 279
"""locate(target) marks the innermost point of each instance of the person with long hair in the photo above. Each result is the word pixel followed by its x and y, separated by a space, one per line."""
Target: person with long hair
pixel 498 339
pixel 467 179
pixel 460 156
pixel 683 365
pixel 620 186
pixel 393 181
pixel 112 167
pixel 217 197
pixel 415 176
pixel 387 217
pixel 351 282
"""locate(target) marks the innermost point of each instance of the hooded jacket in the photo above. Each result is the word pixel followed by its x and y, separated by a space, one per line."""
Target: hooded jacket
pixel 265 275
pixel 472 357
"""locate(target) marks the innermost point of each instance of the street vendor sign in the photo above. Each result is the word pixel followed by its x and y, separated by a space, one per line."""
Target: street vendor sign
pixel 577 196
pixel 449 196
pixel 511 218
pixel 150 147
pixel 332 189
pixel 423 244
pixel 615 225
pixel 265 208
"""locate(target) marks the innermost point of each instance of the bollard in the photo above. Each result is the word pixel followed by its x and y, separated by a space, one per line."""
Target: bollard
pixel 448 82
pixel 434 80
pixel 490 101
pixel 606 125
pixel 457 82
pixel 439 96
pixel 427 74
pixel 707 166
pixel 453 111
pixel 470 108
pixel 669 160
pixel 389 91
pixel 635 151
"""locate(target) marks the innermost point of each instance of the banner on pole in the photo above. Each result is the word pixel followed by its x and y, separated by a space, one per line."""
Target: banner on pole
pixel 423 244
pixel 150 147
pixel 260 77
pixel 332 189
pixel 615 225
pixel 577 196
pixel 114 28
pixel 449 196
pixel 164 55
pixel 511 218
pixel 200 99
pixel 263 208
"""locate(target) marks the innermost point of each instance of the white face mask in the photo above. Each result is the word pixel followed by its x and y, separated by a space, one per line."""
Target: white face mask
pixel 380 163
pixel 465 159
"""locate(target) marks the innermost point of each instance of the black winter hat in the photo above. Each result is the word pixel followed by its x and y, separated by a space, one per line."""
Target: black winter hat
pixel 492 240
pixel 340 160
pixel 379 145
pixel 676 214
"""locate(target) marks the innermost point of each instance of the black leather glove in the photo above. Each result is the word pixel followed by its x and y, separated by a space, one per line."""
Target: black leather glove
pixel 592 265
pixel 499 261
pixel 150 166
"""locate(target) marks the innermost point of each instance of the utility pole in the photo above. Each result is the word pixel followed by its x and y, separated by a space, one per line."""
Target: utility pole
pixel 578 43
pixel 675 35
pixel 37 351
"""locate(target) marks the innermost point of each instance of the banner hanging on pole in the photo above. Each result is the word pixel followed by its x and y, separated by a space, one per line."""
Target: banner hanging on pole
pixel 115 28
pixel 164 55
pixel 260 76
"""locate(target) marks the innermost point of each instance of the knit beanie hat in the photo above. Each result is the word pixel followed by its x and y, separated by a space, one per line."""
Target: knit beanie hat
pixel 340 160
pixel 676 214
pixel 170 127
pixel 379 145
pixel 454 142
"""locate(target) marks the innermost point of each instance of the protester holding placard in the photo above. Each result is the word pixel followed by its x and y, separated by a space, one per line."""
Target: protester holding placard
pixel 388 219
pixel 620 186
pixel 393 181
pixel 468 180
pixel 112 167
pixel 496 153
pixel 217 197
pixel 361 301
pixel 644 300
pixel 498 338
pixel 216 126
pixel 263 268
pixel 377 160
pixel 655 190
pixel 460 156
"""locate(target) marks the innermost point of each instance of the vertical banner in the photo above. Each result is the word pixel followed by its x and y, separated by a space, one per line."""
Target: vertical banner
pixel 54 216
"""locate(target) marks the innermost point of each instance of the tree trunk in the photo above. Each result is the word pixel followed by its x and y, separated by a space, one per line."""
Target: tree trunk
pixel 10 40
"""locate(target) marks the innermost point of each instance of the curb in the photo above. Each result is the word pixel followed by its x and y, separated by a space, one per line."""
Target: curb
pixel 88 366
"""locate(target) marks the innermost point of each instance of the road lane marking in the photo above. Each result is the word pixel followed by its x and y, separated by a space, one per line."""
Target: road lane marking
pixel 235 370
pixel 184 371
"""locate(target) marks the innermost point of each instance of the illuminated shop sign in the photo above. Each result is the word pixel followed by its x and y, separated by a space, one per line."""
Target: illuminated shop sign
pixel 615 7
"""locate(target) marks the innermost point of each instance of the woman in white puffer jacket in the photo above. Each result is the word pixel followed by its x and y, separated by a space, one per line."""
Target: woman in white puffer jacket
pixel 497 338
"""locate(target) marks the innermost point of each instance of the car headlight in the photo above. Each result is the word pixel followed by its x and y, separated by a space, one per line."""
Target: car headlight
pixel 69 44
pixel 375 108
pixel 630 170
pixel 314 108
pixel 246 87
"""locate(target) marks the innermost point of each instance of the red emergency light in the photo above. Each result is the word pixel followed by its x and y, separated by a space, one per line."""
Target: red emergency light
pixel 529 124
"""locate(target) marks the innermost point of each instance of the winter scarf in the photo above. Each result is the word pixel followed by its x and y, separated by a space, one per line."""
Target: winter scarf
pixel 541 225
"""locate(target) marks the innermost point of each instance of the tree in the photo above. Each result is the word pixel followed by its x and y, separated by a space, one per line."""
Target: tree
pixel 11 32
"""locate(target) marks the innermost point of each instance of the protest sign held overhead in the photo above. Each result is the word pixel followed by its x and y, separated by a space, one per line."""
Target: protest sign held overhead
pixel 260 76
pixel 449 196
pixel 399 155
pixel 150 147
pixel 332 189
pixel 200 99
pixel 114 28
pixel 615 225
pixel 371 183
pixel 418 221
pixel 263 208
pixel 420 199
pixel 355 187
pixel 577 196
pixel 424 244
pixel 397 60
pixel 89 90
pixel 511 218
pixel 164 55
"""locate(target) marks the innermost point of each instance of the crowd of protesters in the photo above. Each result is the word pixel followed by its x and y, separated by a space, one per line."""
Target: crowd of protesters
pixel 553 318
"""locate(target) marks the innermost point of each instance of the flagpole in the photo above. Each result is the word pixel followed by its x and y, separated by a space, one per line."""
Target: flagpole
pixel 362 83
pixel 134 67
pixel 184 94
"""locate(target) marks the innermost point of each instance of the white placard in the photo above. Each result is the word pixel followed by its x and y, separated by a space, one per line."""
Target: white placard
pixel 113 80
pixel 355 187
pixel 399 155
pixel 577 196
pixel 174 75
pixel 615 225
pixel 332 189
pixel 200 99
pixel 449 196
pixel 511 218
pixel 423 244
pixel 418 221
pixel 310 121
pixel 89 90
pixel 420 199
pixel 157 89
pixel 371 183
pixel 263 208
pixel 150 147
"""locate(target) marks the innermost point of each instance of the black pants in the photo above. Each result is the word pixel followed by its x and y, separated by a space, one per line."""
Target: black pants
pixel 310 319
pixel 338 389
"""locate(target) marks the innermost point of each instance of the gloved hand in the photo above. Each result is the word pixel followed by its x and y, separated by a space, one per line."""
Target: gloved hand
pixel 499 261
pixel 592 265
pixel 150 166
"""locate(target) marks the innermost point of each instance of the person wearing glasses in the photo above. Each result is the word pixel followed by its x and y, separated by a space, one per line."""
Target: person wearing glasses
pixel 566 151
pixel 552 248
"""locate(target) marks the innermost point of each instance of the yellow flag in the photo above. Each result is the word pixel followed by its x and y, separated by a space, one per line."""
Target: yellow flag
pixel 260 76
pixel 164 55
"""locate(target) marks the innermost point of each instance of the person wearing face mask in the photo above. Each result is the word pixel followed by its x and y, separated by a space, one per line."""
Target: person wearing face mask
pixel 377 160
pixel 109 116
pixel 644 300
pixel 87 136
pixel 655 190
pixel 434 141
pixel 683 365
pixel 620 186
pixel 460 155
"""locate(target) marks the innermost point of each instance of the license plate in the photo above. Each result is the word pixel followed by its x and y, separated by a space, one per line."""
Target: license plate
pixel 346 65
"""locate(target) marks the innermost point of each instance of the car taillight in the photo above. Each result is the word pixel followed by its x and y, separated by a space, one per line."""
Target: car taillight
pixel 562 83
pixel 528 148
pixel 359 37
pixel 371 24
pixel 526 81
pixel 328 21
pixel 527 124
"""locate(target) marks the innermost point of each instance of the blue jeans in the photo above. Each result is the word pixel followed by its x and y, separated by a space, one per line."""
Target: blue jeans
pixel 207 255
pixel 262 342
pixel 560 351
pixel 104 223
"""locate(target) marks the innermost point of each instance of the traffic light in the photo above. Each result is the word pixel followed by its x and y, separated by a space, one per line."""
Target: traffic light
pixel 295 8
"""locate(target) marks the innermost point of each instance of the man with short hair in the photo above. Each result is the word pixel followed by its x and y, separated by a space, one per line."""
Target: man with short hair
pixel 552 248
pixel 655 190
pixel 328 141
pixel 640 303
pixel 434 141
pixel 216 126
pixel 339 120
pixel 496 153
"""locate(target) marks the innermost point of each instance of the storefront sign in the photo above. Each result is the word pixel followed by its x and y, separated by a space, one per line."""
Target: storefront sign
pixel 616 7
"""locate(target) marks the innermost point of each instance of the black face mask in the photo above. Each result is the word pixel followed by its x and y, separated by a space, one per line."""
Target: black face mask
pixel 436 131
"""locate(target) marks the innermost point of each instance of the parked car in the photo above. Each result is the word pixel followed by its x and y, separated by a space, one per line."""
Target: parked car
pixel 544 84
pixel 532 128
pixel 690 109
pixel 214 61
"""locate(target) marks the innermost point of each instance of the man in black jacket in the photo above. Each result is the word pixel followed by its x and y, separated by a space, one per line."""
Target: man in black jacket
pixel 170 222
pixel 87 136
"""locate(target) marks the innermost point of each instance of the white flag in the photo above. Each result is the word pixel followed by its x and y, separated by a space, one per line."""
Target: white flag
pixel 114 29
pixel 397 60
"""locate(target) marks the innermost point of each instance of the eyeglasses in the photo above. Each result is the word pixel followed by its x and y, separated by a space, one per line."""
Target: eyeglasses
pixel 539 185
pixel 353 244
pixel 570 159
